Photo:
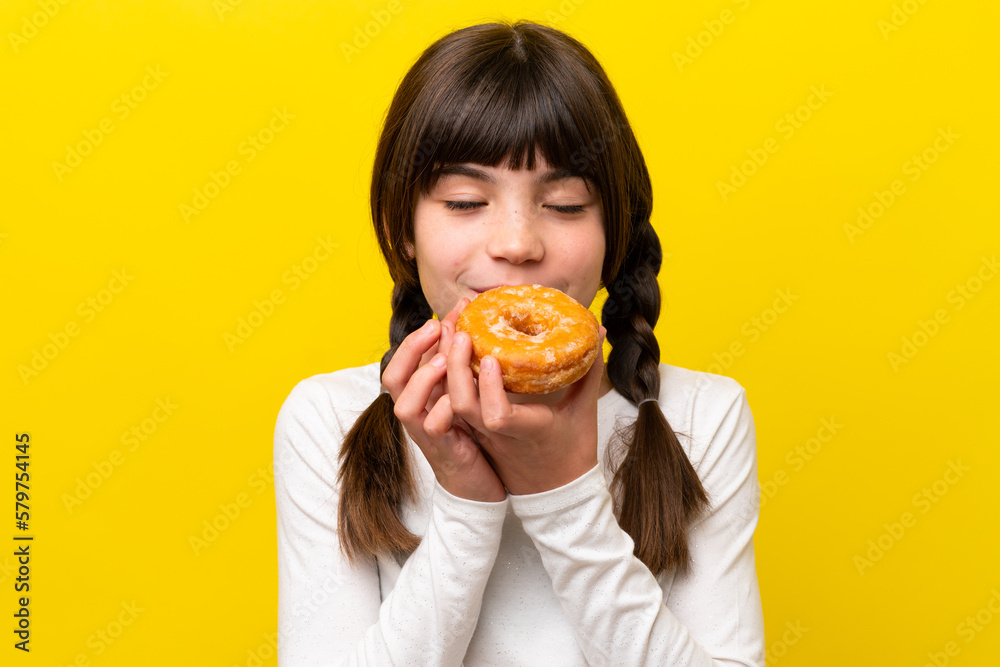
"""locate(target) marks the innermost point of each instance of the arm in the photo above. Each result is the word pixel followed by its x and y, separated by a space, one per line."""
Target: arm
pixel 330 612
pixel 614 603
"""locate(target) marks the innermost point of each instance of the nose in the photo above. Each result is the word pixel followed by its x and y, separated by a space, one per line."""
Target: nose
pixel 515 237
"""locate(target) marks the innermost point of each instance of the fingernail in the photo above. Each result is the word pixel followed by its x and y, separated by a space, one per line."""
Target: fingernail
pixel 487 365
pixel 439 360
pixel 427 327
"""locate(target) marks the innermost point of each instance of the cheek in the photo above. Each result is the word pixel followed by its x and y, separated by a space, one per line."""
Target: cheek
pixel 439 258
pixel 582 260
pixel 590 253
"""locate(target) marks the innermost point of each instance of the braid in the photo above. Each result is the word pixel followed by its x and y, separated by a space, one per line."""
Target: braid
pixel 409 312
pixel 375 471
pixel 629 315
pixel 655 487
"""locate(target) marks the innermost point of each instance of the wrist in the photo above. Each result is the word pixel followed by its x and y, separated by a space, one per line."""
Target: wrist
pixel 559 499
pixel 540 480
pixel 473 492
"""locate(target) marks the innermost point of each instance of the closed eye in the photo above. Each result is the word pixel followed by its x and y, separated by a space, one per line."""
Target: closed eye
pixel 567 209
pixel 463 205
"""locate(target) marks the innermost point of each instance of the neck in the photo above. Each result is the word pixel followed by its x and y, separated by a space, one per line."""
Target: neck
pixel 605 385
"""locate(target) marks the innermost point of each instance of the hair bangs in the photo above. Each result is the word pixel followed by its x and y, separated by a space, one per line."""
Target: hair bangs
pixel 504 114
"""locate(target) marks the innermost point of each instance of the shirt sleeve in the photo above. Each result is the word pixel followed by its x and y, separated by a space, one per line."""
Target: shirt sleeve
pixel 331 612
pixel 614 603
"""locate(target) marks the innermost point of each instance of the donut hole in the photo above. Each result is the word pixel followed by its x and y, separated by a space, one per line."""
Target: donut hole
pixel 524 323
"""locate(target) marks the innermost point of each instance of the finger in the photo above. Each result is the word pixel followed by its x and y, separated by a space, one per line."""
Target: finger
pixel 447 329
pixel 461 384
pixel 457 309
pixel 447 336
pixel 440 419
pixel 411 403
pixel 448 325
pixel 448 333
pixel 426 357
pixel 444 343
pixel 443 346
pixel 496 407
pixel 501 416
pixel 408 356
pixel 463 426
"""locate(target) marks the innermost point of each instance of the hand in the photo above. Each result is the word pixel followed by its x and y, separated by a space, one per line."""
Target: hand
pixel 533 447
pixel 416 378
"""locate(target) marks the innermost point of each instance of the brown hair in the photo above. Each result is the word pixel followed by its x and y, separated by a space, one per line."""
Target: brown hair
pixel 496 93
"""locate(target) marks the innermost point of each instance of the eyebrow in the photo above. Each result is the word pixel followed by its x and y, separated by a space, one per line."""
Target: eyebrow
pixel 480 175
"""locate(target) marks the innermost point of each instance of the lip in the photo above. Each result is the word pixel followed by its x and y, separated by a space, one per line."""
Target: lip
pixel 480 290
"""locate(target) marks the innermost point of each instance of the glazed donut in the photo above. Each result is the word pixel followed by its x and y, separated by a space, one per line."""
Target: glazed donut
pixel 543 339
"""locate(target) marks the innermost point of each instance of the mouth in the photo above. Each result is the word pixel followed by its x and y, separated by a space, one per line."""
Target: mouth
pixel 480 290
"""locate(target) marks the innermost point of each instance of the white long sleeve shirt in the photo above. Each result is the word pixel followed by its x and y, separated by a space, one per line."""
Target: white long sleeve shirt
pixel 542 579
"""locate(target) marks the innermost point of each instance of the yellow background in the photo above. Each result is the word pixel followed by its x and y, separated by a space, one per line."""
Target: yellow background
pixel 161 335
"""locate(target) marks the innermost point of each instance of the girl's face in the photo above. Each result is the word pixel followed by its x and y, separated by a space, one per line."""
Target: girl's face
pixel 481 227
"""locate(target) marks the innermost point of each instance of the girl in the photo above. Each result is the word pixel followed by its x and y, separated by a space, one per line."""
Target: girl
pixel 427 518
